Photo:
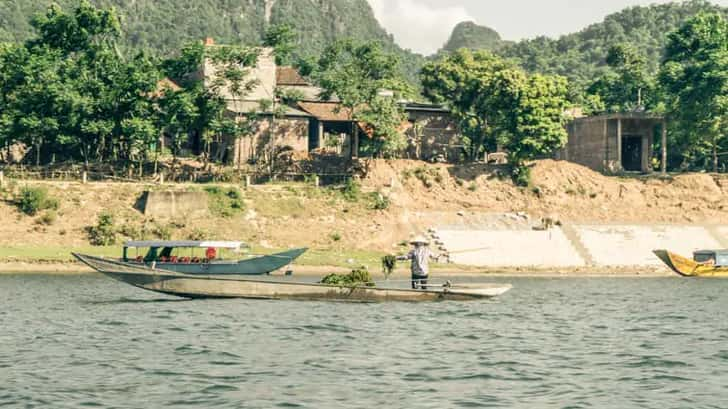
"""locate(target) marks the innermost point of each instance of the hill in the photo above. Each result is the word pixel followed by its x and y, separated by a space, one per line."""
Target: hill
pixel 163 26
pixel 475 37
pixel 581 56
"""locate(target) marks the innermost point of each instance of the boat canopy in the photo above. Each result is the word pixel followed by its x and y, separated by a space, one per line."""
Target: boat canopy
pixel 235 245
pixel 718 257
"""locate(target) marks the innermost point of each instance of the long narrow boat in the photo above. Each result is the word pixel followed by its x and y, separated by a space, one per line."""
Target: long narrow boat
pixel 179 257
pixel 708 263
pixel 195 286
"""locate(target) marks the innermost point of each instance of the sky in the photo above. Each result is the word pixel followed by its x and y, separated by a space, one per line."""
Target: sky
pixel 425 25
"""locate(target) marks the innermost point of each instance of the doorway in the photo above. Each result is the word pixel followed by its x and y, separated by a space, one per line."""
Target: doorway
pixel 632 153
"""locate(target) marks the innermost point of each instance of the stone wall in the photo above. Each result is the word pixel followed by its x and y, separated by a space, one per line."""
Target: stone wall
pixel 173 204
pixel 271 135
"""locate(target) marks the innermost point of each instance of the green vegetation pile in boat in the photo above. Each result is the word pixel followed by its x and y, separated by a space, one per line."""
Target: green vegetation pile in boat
pixel 182 257
pixel 209 286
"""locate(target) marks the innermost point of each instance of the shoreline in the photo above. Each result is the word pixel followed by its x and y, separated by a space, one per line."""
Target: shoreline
pixel 75 268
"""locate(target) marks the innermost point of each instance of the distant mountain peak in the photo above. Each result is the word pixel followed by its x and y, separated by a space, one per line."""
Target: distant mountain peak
pixel 469 34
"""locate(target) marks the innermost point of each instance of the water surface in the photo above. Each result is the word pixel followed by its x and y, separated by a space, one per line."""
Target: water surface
pixel 76 341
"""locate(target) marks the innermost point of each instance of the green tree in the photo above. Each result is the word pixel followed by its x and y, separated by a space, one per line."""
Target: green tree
pixel 499 104
pixel 282 38
pixel 367 82
pixel 537 122
pixel 471 83
pixel 627 86
pixel 695 74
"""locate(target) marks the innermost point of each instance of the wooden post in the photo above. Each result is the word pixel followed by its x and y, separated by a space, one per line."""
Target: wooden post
pixel 663 147
pixel 84 177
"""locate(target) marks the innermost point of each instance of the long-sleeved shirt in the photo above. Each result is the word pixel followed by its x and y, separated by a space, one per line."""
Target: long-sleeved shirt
pixel 420 257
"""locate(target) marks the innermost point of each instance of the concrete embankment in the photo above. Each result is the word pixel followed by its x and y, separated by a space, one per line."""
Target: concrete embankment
pixel 618 246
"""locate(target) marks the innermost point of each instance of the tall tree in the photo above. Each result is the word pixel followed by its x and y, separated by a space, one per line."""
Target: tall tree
pixel 499 104
pixel 471 84
pixel 695 74
pixel 367 82
pixel 282 39
pixel 628 85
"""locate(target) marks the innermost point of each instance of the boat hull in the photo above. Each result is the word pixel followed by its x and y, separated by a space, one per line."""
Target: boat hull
pixel 187 286
pixel 689 268
pixel 251 267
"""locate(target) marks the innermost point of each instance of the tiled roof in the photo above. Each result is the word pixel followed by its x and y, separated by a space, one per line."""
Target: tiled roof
pixel 326 111
pixel 290 76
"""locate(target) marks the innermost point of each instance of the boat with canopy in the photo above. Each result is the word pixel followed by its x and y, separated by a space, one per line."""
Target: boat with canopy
pixel 204 257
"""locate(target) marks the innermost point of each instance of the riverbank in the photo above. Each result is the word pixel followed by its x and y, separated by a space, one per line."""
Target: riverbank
pixel 571 221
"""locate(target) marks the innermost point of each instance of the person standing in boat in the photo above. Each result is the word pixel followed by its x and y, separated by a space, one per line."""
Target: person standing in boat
pixel 420 256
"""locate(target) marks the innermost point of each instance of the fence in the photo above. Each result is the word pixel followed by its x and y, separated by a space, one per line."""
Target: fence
pixel 168 177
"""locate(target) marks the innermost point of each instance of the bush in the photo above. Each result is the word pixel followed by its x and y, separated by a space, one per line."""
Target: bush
pixel 104 233
pixel 48 218
pixel 380 201
pixel 352 190
pixel 225 203
pixel 35 199
pixel 335 237
pixel 198 235
pixel 473 187
pixel 521 175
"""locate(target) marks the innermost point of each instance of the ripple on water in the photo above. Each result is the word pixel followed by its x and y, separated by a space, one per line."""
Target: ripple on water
pixel 549 343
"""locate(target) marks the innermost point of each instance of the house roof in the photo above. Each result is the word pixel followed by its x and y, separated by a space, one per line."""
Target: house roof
pixel 623 115
pixel 290 76
pixel 414 106
pixel 326 111
pixel 165 84
pixel 253 107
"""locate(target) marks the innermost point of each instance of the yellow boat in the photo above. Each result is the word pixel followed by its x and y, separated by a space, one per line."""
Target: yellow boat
pixel 706 263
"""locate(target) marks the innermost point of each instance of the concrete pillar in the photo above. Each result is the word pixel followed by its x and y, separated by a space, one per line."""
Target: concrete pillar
pixel 321 142
pixel 316 181
pixel 161 178
pixel 606 146
pixel 247 181
pixel 663 148
pixel 84 177
pixel 646 166
pixel 619 143
pixel 355 141
pixel 2 179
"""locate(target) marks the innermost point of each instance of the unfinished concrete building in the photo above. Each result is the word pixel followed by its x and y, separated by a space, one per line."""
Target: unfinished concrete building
pixel 613 143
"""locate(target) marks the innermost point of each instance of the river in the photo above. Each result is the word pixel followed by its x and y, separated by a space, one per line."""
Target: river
pixel 87 341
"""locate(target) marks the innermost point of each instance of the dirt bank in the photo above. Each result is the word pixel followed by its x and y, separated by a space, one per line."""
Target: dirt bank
pixel 420 195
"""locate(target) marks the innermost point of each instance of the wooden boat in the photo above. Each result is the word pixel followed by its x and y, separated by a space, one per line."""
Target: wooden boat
pixel 179 256
pixel 196 286
pixel 705 263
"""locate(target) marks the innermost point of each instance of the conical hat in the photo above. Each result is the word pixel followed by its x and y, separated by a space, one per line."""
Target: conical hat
pixel 420 240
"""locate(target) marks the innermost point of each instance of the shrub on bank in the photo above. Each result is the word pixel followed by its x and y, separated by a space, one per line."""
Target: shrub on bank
pixel 33 200
pixel 225 202
pixel 105 232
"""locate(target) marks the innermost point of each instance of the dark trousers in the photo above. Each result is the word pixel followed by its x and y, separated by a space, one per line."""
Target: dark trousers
pixel 419 282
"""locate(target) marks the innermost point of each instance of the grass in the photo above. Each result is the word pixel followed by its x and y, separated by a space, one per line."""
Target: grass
pixel 54 253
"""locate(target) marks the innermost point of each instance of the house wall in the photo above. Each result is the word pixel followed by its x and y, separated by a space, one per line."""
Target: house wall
pixel 587 145
pixel 440 135
pixel 270 136
pixel 594 142
pixel 264 72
